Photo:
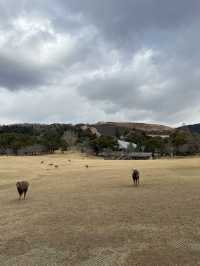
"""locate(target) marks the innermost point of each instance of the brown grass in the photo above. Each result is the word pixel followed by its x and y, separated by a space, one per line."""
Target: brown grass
pixel 95 216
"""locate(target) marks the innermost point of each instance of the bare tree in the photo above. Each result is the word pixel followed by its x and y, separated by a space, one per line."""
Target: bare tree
pixel 70 138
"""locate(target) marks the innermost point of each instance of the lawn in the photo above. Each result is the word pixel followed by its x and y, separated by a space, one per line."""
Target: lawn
pixel 94 216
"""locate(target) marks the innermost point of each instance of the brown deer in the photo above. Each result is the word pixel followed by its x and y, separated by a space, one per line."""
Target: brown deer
pixel 136 176
pixel 22 188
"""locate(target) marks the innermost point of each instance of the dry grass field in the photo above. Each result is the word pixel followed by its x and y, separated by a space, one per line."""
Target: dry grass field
pixel 94 216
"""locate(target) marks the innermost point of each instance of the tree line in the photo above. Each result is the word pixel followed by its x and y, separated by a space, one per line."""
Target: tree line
pixel 66 136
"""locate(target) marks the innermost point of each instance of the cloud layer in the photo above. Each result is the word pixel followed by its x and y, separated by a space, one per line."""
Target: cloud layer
pixel 85 61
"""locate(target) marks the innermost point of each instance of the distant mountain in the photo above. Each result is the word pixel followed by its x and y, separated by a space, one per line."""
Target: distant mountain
pixel 191 128
pixel 114 128
pixel 104 128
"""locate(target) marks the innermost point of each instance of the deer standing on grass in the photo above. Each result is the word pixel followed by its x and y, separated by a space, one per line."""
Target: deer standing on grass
pixel 22 188
pixel 136 176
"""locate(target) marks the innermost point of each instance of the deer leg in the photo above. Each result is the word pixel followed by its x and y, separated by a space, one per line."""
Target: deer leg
pixel 20 195
pixel 24 195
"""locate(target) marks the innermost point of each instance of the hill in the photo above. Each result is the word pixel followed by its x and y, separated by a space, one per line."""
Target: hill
pixel 35 139
pixel 191 128
pixel 104 128
pixel 113 128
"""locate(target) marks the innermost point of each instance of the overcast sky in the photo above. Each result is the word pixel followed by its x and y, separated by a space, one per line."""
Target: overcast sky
pixel 100 60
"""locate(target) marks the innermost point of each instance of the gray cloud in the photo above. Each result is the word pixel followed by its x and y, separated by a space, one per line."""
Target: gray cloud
pixel 99 60
pixel 132 20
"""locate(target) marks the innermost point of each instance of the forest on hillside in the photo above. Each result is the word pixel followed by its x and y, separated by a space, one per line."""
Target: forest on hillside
pixel 63 137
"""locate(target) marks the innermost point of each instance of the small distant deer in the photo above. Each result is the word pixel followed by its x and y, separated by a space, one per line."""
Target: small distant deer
pixel 136 176
pixel 22 188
